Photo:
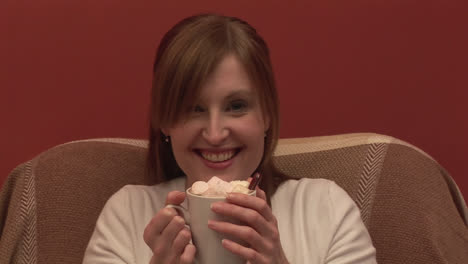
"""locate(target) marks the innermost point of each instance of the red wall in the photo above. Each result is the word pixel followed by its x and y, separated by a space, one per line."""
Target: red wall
pixel 82 69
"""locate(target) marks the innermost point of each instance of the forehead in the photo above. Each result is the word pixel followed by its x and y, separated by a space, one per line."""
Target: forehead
pixel 229 77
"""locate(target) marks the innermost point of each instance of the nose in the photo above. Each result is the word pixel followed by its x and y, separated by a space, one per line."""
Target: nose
pixel 215 130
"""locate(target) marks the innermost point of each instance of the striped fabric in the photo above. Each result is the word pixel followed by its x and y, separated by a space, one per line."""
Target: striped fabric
pixel 28 215
pixel 369 179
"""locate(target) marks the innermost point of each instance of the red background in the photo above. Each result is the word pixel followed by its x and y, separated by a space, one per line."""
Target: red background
pixel 82 69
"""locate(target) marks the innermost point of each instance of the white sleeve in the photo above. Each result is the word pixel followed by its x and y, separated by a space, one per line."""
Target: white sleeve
pixel 351 243
pixel 111 241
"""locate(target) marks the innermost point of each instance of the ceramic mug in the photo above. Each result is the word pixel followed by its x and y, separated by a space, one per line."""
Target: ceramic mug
pixel 206 240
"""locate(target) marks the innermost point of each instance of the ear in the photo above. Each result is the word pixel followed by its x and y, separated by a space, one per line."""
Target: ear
pixel 165 131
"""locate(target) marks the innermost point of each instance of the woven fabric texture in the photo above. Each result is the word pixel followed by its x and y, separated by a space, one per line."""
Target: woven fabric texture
pixel 411 206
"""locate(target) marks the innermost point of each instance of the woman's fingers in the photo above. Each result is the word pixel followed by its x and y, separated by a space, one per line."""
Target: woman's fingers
pixel 243 233
pixel 165 234
pixel 246 253
pixel 175 197
pixel 188 255
pixel 181 240
pixel 178 245
pixel 163 243
pixel 260 230
pixel 245 215
pixel 157 224
pixel 172 230
pixel 260 193
pixel 256 203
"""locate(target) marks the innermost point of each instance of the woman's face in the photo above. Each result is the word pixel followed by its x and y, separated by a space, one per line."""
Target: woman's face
pixel 223 134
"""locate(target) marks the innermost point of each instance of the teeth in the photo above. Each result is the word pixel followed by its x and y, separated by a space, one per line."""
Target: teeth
pixel 218 157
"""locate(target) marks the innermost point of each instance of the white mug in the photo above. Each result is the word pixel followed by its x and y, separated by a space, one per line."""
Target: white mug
pixel 206 240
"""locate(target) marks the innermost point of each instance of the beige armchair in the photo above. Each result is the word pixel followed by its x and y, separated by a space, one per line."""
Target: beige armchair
pixel 411 206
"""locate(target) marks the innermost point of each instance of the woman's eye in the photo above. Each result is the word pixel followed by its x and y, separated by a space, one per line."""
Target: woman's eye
pixel 237 106
pixel 198 109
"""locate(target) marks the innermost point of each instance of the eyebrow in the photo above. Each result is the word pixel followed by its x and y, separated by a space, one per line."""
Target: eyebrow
pixel 239 93
pixel 243 94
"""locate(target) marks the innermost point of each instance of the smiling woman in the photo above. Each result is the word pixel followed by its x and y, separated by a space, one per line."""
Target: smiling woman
pixel 214 111
pixel 225 133
pixel 201 55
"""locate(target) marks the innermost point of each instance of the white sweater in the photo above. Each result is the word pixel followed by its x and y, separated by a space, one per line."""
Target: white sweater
pixel 318 223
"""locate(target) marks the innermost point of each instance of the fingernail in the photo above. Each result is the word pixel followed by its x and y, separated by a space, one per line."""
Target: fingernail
pixel 225 241
pixel 214 206
pixel 179 219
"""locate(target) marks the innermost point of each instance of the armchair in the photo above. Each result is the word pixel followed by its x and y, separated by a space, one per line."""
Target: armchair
pixel 409 203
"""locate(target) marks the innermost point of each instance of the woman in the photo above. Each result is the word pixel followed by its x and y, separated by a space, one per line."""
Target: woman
pixel 215 111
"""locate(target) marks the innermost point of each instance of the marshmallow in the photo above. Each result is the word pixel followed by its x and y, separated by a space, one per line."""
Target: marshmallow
pixel 242 183
pixel 199 187
pixel 240 189
pixel 219 187
pixel 216 187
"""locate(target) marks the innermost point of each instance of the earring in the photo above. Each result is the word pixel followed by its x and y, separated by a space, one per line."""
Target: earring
pixel 166 139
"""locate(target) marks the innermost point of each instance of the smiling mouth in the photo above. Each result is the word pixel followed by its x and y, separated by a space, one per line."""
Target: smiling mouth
pixel 219 156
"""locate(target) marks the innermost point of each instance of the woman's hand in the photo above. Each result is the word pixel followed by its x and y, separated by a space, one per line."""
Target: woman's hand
pixel 167 236
pixel 260 232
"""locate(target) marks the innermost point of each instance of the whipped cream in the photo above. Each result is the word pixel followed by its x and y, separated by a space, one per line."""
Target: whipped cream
pixel 217 187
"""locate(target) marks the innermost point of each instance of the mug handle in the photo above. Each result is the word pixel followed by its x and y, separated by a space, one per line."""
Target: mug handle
pixel 182 211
